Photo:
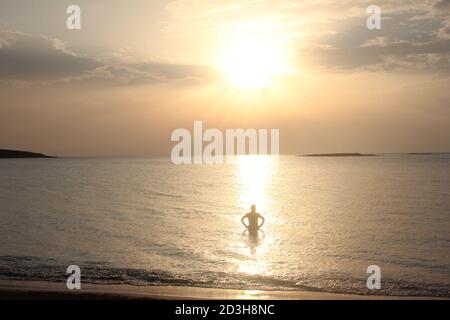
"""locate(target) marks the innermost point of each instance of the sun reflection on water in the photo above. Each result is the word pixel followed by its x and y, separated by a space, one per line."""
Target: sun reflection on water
pixel 254 175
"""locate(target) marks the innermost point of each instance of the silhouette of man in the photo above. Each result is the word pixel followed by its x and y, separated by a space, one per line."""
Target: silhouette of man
pixel 252 218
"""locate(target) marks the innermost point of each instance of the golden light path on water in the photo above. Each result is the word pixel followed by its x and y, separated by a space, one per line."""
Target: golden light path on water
pixel 254 175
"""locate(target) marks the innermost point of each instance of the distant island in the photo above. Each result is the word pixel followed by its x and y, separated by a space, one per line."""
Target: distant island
pixel 339 155
pixel 426 153
pixel 9 154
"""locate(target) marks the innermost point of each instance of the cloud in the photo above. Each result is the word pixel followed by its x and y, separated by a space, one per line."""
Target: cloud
pixel 444 32
pixel 382 42
pixel 404 43
pixel 26 58
pixel 442 5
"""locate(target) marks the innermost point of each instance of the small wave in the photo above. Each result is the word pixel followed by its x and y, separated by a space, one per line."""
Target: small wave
pixel 163 194
pixel 43 269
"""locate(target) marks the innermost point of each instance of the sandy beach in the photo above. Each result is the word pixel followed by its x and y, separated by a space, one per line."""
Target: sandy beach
pixel 31 290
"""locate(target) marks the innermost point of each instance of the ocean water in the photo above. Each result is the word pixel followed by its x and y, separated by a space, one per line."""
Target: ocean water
pixel 149 222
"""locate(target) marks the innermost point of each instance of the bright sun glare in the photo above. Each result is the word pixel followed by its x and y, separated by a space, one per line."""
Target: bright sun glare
pixel 253 56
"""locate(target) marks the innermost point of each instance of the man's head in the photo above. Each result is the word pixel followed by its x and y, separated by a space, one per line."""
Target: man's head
pixel 253 208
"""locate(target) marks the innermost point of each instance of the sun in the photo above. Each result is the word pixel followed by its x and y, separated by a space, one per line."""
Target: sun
pixel 252 57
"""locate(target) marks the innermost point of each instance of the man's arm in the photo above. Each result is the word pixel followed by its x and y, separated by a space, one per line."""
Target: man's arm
pixel 263 220
pixel 242 221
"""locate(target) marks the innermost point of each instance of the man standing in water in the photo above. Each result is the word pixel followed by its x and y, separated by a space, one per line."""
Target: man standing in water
pixel 253 217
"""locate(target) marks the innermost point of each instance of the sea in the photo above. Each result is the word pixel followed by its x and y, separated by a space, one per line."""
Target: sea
pixel 147 222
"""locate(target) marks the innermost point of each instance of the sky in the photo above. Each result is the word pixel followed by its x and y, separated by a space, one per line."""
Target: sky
pixel 137 70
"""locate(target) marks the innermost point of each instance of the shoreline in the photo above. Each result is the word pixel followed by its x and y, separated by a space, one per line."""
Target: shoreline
pixel 43 290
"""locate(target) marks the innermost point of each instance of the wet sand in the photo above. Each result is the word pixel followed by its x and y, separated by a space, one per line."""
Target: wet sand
pixel 31 290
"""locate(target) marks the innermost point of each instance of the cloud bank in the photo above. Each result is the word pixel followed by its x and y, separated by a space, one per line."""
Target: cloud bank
pixel 26 58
